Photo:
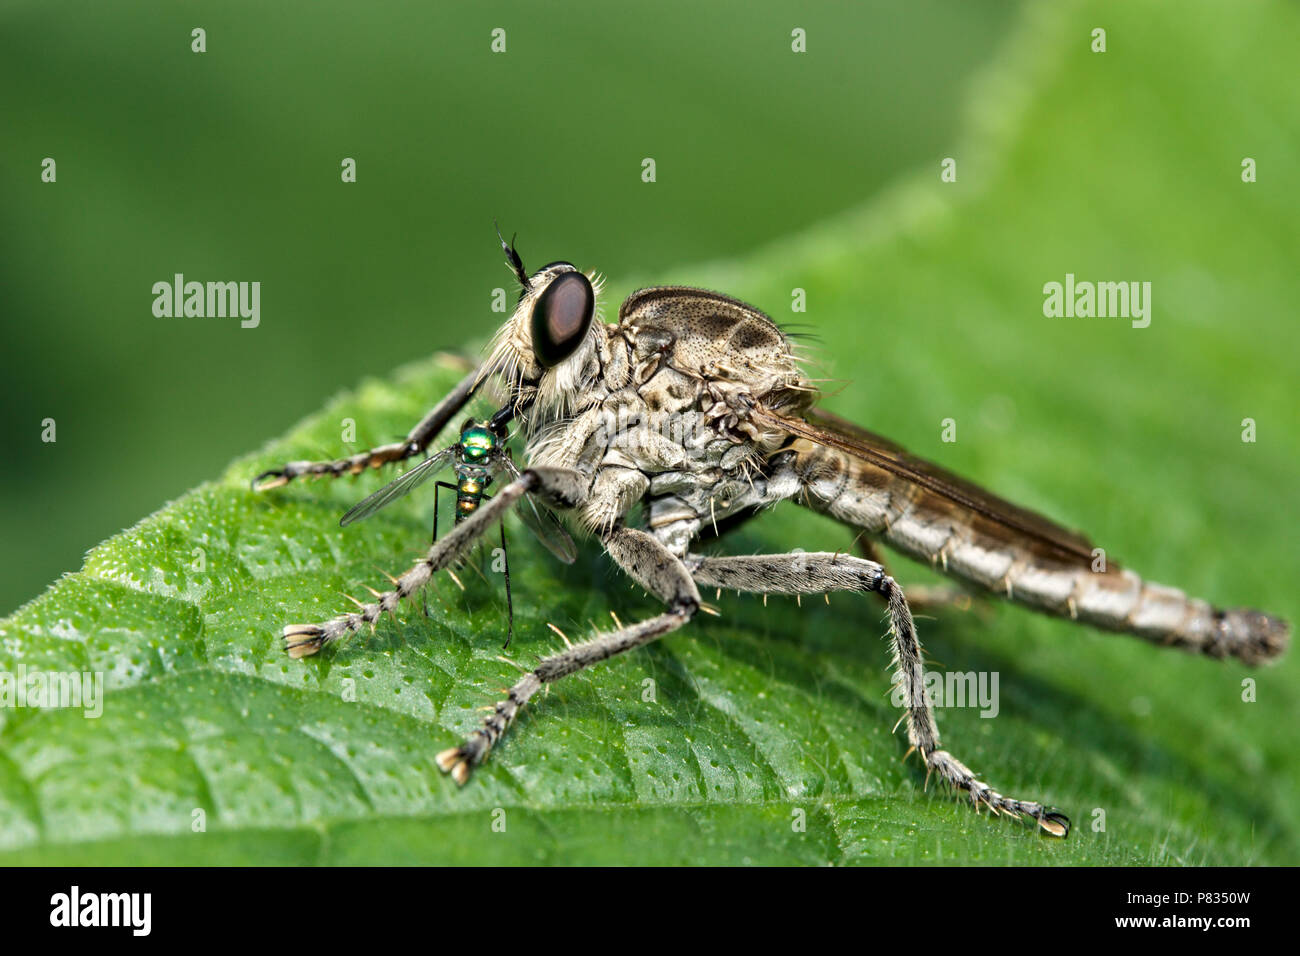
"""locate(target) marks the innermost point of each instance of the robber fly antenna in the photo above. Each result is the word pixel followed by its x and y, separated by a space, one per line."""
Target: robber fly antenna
pixel 512 257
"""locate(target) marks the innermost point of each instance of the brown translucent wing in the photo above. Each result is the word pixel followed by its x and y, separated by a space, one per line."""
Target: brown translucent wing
pixel 986 512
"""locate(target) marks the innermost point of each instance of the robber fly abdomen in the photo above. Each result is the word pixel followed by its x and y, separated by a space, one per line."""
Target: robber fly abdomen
pixel 1038 565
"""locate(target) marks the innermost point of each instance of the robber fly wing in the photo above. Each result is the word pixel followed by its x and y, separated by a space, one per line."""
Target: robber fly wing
pixel 542 521
pixel 399 486
pixel 937 488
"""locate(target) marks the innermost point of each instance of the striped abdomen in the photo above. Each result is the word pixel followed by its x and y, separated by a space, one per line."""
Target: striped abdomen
pixel 469 495
pixel 1055 571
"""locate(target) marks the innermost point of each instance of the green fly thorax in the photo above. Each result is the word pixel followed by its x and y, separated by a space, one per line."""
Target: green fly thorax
pixel 477 443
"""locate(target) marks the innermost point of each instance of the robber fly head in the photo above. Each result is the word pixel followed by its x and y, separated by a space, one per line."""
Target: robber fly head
pixel 546 351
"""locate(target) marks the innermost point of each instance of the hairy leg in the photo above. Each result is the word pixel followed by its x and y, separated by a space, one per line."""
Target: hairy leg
pixel 656 569
pixel 811 573
pixel 415 442
pixel 560 487
pixel 933 598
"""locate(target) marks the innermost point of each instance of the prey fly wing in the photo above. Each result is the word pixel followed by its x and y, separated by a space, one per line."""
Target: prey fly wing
pixel 399 487
pixel 541 521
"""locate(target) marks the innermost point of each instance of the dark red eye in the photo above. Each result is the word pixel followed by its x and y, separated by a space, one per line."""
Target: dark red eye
pixel 561 317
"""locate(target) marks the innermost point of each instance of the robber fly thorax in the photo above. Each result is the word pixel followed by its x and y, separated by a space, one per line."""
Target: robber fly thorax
pixel 655 405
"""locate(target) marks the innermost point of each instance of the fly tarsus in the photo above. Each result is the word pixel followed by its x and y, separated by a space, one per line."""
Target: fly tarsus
pixel 460 761
pixel 1054 823
pixel 419 438
pixel 474 749
pixel 303 640
pixel 952 771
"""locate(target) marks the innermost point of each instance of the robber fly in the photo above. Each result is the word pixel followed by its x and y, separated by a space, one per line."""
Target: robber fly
pixel 479 457
pixel 694 406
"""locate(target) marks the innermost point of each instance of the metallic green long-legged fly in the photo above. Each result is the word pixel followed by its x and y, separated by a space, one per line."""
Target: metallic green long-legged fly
pixel 478 458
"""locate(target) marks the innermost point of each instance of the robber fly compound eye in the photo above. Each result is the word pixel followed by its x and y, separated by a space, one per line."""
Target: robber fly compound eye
pixel 561 317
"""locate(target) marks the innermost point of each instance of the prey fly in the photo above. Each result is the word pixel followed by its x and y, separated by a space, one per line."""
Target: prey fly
pixel 478 458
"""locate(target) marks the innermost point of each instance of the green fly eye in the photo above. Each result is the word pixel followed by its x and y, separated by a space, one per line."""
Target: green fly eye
pixel 561 317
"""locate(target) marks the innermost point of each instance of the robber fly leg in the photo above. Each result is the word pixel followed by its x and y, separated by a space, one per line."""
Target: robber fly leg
pixel 812 573
pixel 555 484
pixel 923 598
pixel 352 465
pixel 415 443
pixel 656 569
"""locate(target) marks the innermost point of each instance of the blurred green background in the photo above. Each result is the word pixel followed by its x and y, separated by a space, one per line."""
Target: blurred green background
pixel 226 166
pixel 775 171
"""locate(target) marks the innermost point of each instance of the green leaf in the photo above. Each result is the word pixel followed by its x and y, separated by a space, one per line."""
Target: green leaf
pixel 1115 166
